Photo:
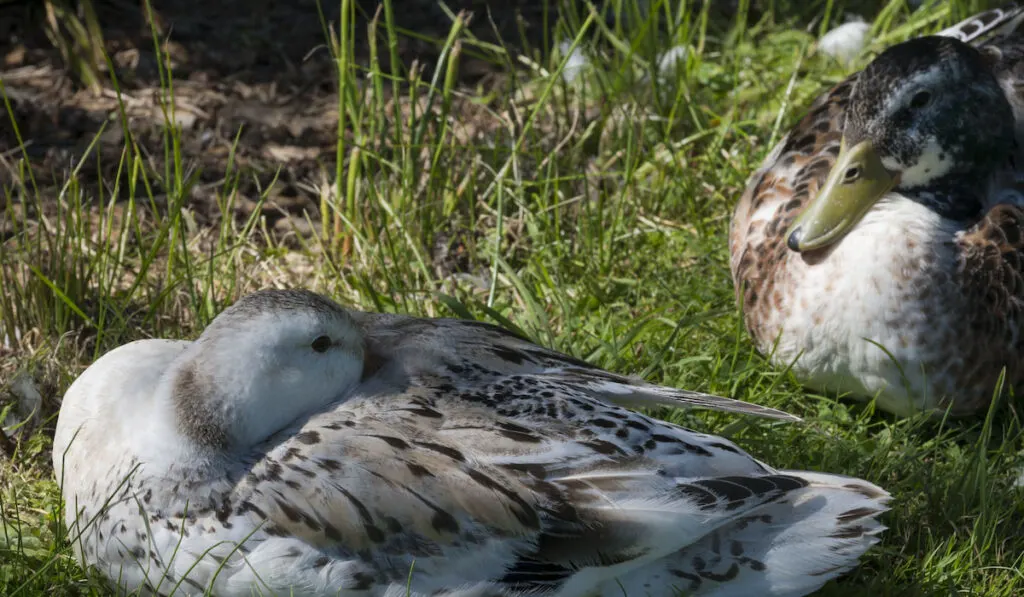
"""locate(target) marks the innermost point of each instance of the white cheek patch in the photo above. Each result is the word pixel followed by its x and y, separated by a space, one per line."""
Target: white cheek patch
pixel 934 163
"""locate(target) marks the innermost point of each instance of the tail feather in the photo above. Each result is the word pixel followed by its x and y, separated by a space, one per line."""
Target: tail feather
pixel 636 393
pixel 787 547
pixel 997 21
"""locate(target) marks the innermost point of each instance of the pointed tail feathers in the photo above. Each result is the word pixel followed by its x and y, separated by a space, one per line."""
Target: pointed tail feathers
pixel 636 393
pixel 999 21
pixel 786 547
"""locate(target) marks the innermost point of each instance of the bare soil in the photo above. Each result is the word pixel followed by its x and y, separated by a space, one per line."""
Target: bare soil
pixel 255 70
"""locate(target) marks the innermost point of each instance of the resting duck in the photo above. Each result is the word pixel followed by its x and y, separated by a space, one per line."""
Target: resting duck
pixel 879 250
pixel 298 448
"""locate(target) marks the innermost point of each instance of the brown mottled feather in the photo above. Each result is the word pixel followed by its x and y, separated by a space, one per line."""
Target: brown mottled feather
pixel 990 270
pixel 401 486
pixel 791 175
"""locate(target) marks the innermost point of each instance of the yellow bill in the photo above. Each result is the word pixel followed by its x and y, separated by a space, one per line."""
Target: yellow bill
pixel 857 181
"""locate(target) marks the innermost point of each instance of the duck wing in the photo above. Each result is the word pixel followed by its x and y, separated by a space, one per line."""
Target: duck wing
pixel 410 348
pixel 444 487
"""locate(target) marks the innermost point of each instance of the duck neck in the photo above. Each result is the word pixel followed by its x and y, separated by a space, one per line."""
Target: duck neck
pixel 959 196
pixel 165 443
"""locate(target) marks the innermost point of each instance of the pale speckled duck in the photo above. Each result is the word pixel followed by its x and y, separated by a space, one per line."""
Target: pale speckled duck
pixel 297 448
pixel 880 247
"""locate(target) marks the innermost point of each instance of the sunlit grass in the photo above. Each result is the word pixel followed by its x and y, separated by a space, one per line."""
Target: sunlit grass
pixel 591 214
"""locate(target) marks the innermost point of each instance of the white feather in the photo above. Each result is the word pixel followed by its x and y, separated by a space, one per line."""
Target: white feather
pixel 846 41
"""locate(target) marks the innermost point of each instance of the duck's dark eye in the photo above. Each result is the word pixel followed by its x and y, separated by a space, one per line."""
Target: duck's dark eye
pixel 920 100
pixel 321 344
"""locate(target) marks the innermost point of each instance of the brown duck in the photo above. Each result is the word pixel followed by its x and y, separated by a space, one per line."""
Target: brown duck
pixel 879 250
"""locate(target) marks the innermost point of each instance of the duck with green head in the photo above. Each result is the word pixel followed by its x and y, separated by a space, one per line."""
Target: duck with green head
pixel 880 248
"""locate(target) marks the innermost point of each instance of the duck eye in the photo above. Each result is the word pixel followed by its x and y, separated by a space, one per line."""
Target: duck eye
pixel 321 344
pixel 920 100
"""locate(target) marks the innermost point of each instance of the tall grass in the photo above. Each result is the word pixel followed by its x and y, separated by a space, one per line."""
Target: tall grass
pixel 591 214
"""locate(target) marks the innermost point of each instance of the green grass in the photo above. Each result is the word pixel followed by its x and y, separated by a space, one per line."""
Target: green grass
pixel 594 216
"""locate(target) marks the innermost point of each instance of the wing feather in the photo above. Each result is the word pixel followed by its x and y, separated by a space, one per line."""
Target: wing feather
pixel 405 342
pixel 387 485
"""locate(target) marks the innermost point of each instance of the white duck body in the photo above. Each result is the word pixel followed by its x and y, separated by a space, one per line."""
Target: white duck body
pixel 434 457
